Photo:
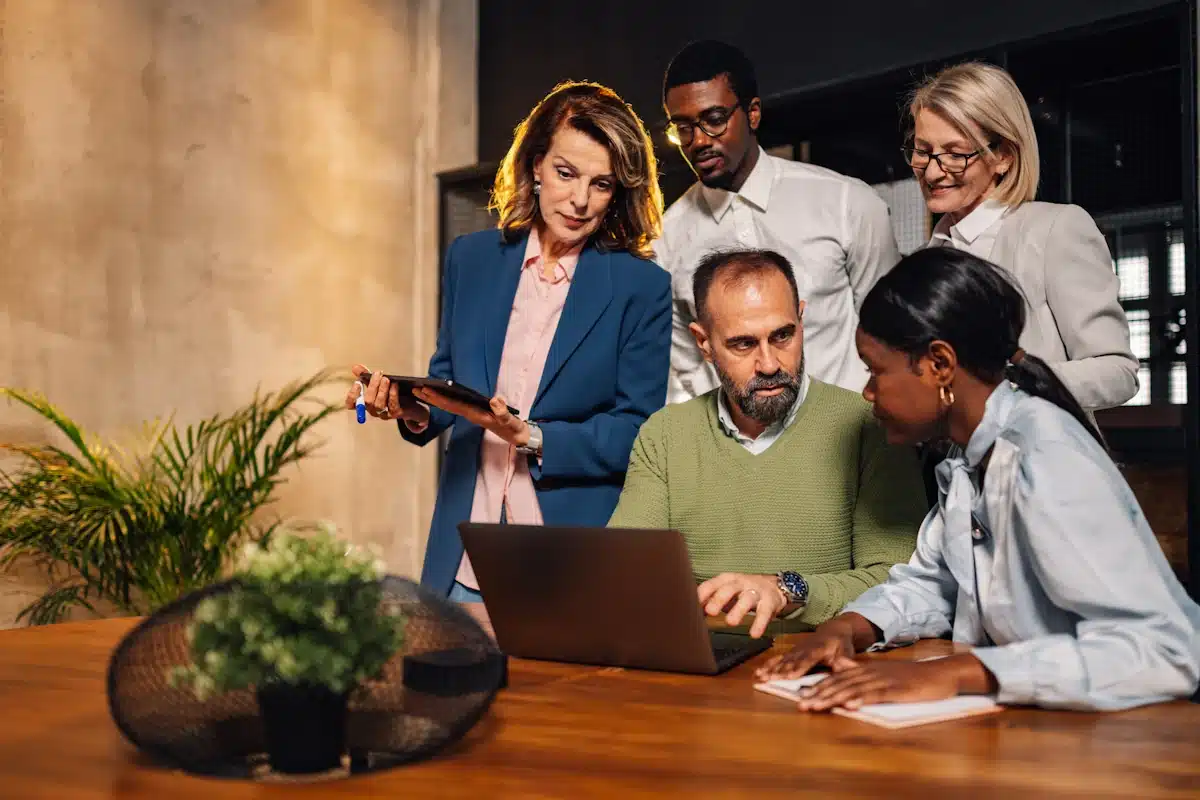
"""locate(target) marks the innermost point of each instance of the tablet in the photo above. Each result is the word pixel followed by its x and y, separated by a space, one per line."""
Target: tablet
pixel 451 389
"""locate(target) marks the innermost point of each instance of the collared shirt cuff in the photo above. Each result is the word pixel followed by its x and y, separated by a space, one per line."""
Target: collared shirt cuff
pixel 1013 669
pixel 887 619
pixel 898 628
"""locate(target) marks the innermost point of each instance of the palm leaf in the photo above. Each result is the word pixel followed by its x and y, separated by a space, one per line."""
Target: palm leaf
pixel 141 526
pixel 56 604
pixel 39 404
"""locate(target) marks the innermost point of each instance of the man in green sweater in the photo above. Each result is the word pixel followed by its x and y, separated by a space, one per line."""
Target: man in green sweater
pixel 790 498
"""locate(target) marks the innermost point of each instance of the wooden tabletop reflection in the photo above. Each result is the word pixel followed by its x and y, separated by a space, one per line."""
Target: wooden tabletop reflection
pixel 561 730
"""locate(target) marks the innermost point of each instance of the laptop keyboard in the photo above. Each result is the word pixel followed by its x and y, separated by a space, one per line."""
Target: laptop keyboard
pixel 725 656
pixel 722 653
pixel 729 649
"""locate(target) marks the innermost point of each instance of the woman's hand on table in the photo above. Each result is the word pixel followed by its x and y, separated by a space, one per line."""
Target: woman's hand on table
pixel 830 645
pixel 829 649
pixel 879 681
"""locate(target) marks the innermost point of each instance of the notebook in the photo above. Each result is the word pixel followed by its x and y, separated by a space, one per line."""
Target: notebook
pixel 890 715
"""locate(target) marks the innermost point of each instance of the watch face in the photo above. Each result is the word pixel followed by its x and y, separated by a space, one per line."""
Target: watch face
pixel 794 585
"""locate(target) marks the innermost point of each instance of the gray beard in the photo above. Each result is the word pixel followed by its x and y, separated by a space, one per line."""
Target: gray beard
pixel 764 410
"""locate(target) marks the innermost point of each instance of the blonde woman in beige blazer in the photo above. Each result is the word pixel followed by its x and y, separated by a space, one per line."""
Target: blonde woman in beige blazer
pixel 975 154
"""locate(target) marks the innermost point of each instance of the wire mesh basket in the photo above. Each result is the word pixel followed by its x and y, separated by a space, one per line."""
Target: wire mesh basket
pixel 429 694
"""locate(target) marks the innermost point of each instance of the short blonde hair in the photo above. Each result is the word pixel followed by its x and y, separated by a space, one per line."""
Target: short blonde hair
pixel 987 96
pixel 634 219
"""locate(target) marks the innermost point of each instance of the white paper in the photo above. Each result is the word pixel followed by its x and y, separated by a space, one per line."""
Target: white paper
pixel 793 684
pixel 790 688
pixel 930 709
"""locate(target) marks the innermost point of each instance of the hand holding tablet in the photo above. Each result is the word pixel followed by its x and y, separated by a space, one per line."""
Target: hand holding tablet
pixel 409 398
pixel 455 391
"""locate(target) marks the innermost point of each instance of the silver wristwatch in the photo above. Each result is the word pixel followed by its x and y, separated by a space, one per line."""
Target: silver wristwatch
pixel 534 446
pixel 793 586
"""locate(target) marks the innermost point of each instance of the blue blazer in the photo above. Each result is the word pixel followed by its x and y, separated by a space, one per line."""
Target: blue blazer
pixel 606 372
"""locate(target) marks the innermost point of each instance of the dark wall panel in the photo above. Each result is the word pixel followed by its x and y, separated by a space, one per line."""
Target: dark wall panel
pixel 526 47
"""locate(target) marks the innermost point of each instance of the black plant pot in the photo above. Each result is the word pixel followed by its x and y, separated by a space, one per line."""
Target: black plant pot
pixel 305 727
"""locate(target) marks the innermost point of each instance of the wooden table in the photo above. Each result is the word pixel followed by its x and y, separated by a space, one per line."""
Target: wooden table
pixel 570 731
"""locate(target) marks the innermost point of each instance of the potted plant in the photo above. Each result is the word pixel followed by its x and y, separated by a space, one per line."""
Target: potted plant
pixel 303 624
pixel 137 528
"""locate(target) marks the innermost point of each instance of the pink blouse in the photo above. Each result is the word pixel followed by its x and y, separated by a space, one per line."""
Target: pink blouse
pixel 503 480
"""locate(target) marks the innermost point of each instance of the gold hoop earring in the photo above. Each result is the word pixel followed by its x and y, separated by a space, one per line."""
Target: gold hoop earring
pixel 946 394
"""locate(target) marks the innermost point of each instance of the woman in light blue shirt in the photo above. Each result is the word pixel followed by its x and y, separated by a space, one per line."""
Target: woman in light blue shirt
pixel 1037 555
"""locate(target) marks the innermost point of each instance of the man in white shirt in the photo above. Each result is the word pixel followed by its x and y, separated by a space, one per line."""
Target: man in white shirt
pixel 834 229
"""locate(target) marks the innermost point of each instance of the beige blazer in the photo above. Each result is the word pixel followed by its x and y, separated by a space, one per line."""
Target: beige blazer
pixel 1061 261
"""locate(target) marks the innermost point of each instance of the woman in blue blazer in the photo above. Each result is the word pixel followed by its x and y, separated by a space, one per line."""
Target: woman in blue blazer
pixel 558 313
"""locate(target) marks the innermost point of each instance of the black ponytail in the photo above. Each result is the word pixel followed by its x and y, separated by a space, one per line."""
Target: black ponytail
pixel 1034 376
pixel 941 293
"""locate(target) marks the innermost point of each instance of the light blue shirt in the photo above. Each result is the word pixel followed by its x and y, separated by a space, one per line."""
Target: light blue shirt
pixel 771 433
pixel 1058 581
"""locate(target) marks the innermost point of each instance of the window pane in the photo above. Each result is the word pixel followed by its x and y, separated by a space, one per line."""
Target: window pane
pixel 1142 398
pixel 1179 384
pixel 1176 263
pixel 1139 333
pixel 1134 272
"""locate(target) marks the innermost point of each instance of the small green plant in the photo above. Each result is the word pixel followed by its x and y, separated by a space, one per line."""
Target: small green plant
pixel 304 610
pixel 140 528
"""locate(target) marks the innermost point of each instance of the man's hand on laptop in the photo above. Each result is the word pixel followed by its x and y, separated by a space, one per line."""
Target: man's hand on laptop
pixel 735 595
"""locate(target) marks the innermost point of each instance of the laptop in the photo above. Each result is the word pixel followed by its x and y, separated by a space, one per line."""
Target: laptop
pixel 619 597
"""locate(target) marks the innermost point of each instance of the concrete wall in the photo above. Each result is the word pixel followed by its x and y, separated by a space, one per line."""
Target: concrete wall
pixel 201 196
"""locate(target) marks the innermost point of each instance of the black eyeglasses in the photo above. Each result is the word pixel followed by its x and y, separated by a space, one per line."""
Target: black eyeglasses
pixel 714 122
pixel 950 163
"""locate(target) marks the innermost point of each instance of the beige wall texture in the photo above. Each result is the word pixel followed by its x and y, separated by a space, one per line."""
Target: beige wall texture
pixel 202 196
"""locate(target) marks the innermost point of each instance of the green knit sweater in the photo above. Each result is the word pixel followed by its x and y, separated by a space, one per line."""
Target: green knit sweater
pixel 829 499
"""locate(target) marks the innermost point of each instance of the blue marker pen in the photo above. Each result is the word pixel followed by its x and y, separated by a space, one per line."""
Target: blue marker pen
pixel 360 405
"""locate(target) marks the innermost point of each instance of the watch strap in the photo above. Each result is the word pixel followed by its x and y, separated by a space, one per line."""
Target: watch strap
pixel 534 445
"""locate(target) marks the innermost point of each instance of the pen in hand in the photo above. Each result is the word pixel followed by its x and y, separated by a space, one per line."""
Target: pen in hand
pixel 360 405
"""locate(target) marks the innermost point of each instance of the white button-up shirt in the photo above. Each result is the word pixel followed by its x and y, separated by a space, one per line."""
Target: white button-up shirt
pixel 976 232
pixel 772 432
pixel 835 231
